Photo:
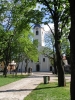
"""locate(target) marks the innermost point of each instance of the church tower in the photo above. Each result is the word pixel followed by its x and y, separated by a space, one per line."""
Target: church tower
pixel 43 62
pixel 39 35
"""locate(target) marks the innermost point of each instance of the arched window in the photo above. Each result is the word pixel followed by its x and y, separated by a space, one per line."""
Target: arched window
pixel 37 32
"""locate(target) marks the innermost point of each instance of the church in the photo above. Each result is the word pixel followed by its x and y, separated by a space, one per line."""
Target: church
pixel 43 64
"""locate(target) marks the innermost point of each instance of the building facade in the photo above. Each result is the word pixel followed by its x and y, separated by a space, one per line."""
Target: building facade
pixel 43 63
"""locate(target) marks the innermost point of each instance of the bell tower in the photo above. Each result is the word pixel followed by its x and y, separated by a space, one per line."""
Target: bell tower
pixel 39 34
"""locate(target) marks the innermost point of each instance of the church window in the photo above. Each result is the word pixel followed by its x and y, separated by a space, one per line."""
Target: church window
pixel 37 32
pixel 43 59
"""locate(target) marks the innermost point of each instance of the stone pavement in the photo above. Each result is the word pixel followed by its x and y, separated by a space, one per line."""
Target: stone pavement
pixel 20 89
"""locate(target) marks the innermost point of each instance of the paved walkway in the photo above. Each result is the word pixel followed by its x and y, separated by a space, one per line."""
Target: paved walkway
pixel 20 89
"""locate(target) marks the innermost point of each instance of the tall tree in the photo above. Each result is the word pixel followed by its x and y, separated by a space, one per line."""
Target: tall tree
pixel 4 34
pixel 29 48
pixel 72 47
pixel 15 19
pixel 56 10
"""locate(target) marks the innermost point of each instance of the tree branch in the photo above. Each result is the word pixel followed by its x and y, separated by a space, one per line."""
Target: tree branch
pixel 51 11
pixel 51 30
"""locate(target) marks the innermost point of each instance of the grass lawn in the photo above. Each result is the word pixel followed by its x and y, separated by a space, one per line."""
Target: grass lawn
pixel 10 79
pixel 50 92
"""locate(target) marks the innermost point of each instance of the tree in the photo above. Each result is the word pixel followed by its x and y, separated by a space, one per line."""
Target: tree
pixel 28 15
pixel 15 20
pixel 55 10
pixel 5 33
pixel 72 47
pixel 29 48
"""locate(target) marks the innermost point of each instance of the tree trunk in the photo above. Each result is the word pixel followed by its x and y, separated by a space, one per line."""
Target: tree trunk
pixel 5 71
pixel 60 67
pixel 26 65
pixel 72 48
pixel 54 60
pixel 55 16
pixel 72 45
pixel 61 77
pixel 21 67
pixel 5 68
pixel 26 68
pixel 55 68
pixel 7 58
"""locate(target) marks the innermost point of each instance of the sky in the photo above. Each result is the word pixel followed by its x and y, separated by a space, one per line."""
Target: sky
pixel 46 28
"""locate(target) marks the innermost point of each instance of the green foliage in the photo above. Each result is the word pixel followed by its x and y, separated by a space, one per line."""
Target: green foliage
pixel 60 9
pixel 15 30
pixel 57 11
pixel 23 13
pixel 65 45
pixel 29 48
